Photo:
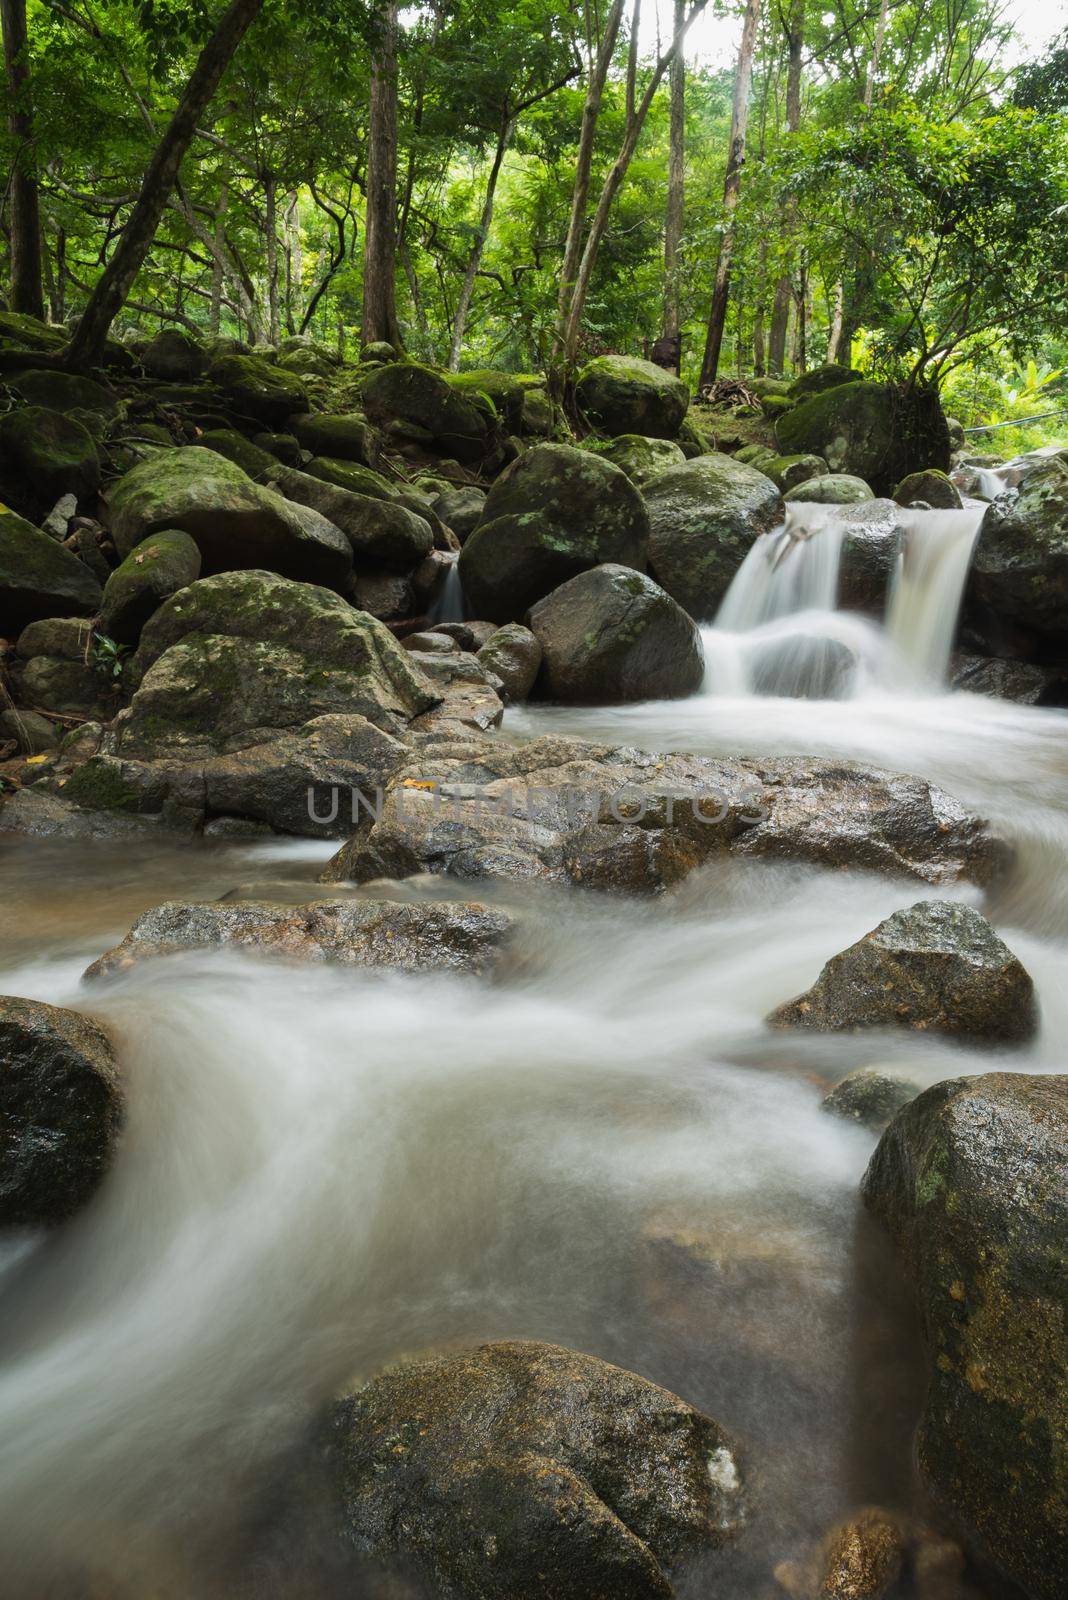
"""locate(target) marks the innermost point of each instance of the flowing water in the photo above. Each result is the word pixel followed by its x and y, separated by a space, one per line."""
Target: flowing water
pixel 326 1171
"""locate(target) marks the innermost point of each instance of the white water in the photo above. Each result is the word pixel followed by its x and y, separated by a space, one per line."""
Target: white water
pixel 925 598
pixel 449 605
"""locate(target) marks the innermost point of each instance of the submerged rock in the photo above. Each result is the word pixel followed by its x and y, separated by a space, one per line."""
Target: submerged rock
pixel 703 517
pixel 622 394
pixel 524 1471
pixel 869 1097
pixel 61 1108
pixel 448 936
pixel 938 966
pixel 861 1559
pixel 970 1180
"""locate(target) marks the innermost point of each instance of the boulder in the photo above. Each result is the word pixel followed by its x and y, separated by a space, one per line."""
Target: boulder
pixel 379 531
pixel 934 489
pixel 869 430
pixel 387 595
pixel 612 635
pixel 63 685
pixel 938 967
pixel 44 455
pixel 351 476
pixel 344 436
pixel 406 392
pixel 39 578
pixel 257 389
pixel 703 517
pixel 234 522
pixel 513 655
pixel 236 656
pixel 63 391
pixel 1018 586
pixel 829 376
pixel 621 394
pixel 61 1109
pixel 869 1097
pixel 154 570
pixel 255 462
pixel 872 537
pixel 786 472
pixel 67 638
pixel 970 1179
pixel 555 512
pixel 504 390
pixel 31 733
pixel 1020 681
pixel 174 357
pixel 640 458
pixel 19 330
pixel 449 936
pixel 836 489
pixel 378 350
pixel 523 1471
pixel 460 509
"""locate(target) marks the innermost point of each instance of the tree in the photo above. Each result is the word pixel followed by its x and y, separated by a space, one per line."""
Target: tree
pixel 27 293
pixel 380 224
pixel 676 200
pixel 780 316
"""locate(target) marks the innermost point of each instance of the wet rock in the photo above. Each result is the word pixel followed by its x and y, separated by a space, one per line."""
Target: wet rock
pixel 234 522
pixel 836 489
pixel 938 966
pixel 640 458
pixel 154 570
pixel 874 531
pixel 380 532
pixel 174 357
pixel 862 1559
pixel 247 653
pixel 61 1108
pixel 431 643
pixel 427 937
pixel 340 436
pixel 621 394
pixel 258 389
pixel 386 595
pixel 612 635
pixel 789 471
pixel 406 392
pixel 554 513
pixel 460 509
pixel 970 1181
pixel 870 431
pixel 1018 586
pixel 39 578
pixel 40 815
pixel 703 517
pixel 1023 682
pixel 869 1097
pixel 932 489
pixel 513 655
pixel 352 476
pixel 524 1471
pixel 44 455
pixel 31 733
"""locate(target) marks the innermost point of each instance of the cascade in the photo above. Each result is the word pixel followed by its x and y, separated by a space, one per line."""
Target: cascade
pixel 449 605
pixel 928 587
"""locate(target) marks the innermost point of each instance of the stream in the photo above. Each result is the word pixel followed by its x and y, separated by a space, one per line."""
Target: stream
pixel 326 1171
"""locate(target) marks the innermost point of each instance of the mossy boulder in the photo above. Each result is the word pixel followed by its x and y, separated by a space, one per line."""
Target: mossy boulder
pixel 20 331
pixel 460 509
pixel 788 471
pixel 513 655
pixel 938 967
pixel 342 436
pixel 523 1471
pixel 640 458
pixel 174 356
pixel 44 455
pixel 381 532
pixel 58 684
pixel 621 394
pixel 931 488
pixel 234 522
pixel 257 389
pixel 703 516
pixel 829 376
pixel 555 512
pixel 241 654
pixel 504 390
pixel 158 567
pixel 61 1110
pixel 66 638
pixel 1018 588
pixel 39 578
pixel 253 461
pixel 832 489
pixel 612 635
pixel 869 430
pixel 353 477
pixel 64 391
pixel 412 394
pixel 970 1180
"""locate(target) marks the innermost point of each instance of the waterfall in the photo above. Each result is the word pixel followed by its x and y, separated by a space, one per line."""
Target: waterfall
pixel 928 587
pixel 449 605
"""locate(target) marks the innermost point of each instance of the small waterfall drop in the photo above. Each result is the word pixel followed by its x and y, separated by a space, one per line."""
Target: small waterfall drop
pixel 928 587
pixel 449 605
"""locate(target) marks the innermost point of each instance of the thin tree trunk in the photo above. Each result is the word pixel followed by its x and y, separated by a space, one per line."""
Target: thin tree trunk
pixel 834 339
pixel 732 188
pixel 117 279
pixel 380 227
pixel 217 274
pixel 27 294
pixel 59 296
pixel 416 296
pixel 676 199
pixel 845 323
pixel 270 206
pixel 780 315
pixel 294 265
pixel 474 259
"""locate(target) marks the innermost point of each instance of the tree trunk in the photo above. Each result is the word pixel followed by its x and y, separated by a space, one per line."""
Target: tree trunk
pixel 117 279
pixel 380 227
pixel 270 206
pixel 732 188
pixel 676 199
pixel 217 274
pixel 27 294
pixel 474 260
pixel 294 265
pixel 780 315
pixel 847 320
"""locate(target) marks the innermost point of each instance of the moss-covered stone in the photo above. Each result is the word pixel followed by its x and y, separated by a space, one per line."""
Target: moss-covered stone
pixel 869 430
pixel 621 394
pixel 788 471
pixel 703 516
pixel 420 397
pixel 830 376
pixel 39 578
pixel 252 460
pixel 833 489
pixel 344 436
pixel 508 394
pixel 555 512
pixel 1018 587
pixel 44 455
pixel 157 568
pixel 174 356
pixel 931 488
pixel 640 458
pixel 380 531
pixel 258 389
pixel 19 330
pixel 63 391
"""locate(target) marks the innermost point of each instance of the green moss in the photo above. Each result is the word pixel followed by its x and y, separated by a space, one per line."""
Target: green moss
pixel 98 785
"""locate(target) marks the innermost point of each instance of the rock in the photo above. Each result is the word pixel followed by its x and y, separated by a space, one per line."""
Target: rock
pixel 524 1471
pixel 830 376
pixel 612 635
pixel 44 455
pixel 938 967
pixel 68 638
pixel 252 460
pixel 417 395
pixel 344 436
pixel 703 517
pixel 861 1559
pixel 970 1180
pixel 283 446
pixel 869 1097
pixel 1019 577
pixel 870 431
pixel 58 521
pixel 430 643
pixel 378 350
pixel 386 595
pixel 1019 681
pixel 154 570
pixel 63 391
pixel 513 655
pixel 351 476
pixel 640 458
pixel 19 330
pixel 554 513
pixel 174 357
pixel 255 388
pixel 932 489
pixel 234 522
pixel 836 489
pixel 56 683
pixel 234 655
pixel 460 509
pixel 61 1108
pixel 33 734
pixel 874 531
pixel 448 936
pixel 39 578
pixel 621 394
pixel 786 472
pixel 505 392
pixel 379 531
